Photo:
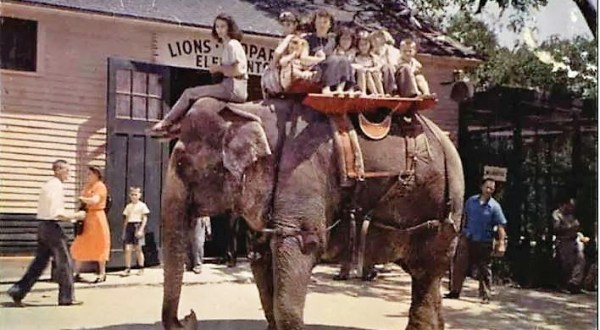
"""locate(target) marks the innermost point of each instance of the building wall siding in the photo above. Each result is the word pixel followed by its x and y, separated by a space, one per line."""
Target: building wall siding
pixel 438 70
pixel 60 111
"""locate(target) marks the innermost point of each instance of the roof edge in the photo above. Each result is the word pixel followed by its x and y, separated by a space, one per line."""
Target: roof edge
pixel 124 16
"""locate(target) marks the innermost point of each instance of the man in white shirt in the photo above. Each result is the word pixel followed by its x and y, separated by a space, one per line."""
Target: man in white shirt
pixel 52 241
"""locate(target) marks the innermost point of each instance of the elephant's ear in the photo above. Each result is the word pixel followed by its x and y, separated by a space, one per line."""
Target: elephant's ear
pixel 243 144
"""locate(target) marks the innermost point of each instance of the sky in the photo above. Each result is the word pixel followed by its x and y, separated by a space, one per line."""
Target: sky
pixel 560 17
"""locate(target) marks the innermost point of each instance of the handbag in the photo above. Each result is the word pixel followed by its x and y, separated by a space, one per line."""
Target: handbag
pixel 78 227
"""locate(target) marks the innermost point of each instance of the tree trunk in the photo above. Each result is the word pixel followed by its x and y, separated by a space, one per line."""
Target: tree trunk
pixel 590 13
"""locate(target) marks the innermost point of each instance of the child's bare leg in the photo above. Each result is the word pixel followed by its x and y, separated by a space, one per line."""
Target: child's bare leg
pixel 377 78
pixel 361 81
pixel 340 88
pixel 326 90
pixel 422 84
pixel 371 83
pixel 182 105
pixel 127 258
pixel 140 255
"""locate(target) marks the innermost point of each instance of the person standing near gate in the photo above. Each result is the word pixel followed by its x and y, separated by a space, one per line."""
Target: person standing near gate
pixel 197 236
pixel 482 214
pixel 51 240
pixel 569 244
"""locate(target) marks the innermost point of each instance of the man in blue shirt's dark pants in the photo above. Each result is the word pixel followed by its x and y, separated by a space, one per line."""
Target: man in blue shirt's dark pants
pixel 482 214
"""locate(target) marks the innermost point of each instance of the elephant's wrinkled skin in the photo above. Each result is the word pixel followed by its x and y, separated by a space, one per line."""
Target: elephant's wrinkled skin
pixel 220 163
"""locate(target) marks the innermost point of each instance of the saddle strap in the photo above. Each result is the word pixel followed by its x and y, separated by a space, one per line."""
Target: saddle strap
pixel 349 155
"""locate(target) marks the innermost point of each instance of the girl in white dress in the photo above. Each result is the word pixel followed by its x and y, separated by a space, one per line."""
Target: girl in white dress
pixel 234 67
pixel 368 69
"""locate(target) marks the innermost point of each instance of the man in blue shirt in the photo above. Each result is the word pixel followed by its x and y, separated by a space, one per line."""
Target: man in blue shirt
pixel 482 214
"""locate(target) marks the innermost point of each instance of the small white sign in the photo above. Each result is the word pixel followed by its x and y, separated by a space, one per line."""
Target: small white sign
pixel 199 50
pixel 494 172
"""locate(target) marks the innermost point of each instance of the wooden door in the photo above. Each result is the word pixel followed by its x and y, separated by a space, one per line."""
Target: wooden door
pixel 138 95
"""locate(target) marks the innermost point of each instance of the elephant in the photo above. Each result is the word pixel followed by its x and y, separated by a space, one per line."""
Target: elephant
pixel 274 163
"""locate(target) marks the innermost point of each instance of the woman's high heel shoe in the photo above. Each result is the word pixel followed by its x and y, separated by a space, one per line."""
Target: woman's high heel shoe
pixel 100 279
pixel 77 278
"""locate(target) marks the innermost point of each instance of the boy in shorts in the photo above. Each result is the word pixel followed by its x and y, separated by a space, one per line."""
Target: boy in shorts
pixel 136 216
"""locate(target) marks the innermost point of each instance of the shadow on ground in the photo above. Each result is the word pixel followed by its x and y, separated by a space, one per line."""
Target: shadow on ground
pixel 220 325
pixel 391 286
pixel 513 308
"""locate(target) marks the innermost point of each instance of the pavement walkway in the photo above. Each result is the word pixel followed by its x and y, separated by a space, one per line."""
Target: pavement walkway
pixel 381 305
pixel 12 268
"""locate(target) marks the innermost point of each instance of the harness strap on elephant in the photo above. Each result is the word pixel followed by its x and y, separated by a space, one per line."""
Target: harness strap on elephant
pixel 405 179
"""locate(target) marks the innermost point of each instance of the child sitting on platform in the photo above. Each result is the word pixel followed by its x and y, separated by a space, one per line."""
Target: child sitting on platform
pixel 409 77
pixel 368 69
pixel 295 65
pixel 345 43
pixel 382 44
pixel 336 71
pixel 270 79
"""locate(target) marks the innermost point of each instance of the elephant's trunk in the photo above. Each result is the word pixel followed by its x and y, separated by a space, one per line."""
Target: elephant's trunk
pixel 175 221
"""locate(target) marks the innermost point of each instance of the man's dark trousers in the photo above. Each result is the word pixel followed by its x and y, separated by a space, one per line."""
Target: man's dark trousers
pixel 52 242
pixel 478 254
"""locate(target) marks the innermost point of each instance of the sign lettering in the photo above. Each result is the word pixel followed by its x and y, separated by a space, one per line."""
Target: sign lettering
pixel 200 51
pixel 494 172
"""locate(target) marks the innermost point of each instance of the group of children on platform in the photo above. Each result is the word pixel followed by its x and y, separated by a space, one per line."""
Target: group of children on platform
pixel 311 57
pixel 355 63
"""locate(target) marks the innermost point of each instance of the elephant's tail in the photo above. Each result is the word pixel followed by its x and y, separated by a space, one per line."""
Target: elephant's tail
pixel 453 172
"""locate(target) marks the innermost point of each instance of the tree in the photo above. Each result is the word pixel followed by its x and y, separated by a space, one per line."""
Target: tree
pixel 564 67
pixel 434 12
pixel 586 7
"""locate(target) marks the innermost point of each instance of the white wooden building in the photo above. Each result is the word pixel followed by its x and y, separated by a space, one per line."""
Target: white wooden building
pixel 82 80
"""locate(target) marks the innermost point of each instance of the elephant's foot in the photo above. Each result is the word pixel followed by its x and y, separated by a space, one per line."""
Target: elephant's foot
pixel 341 277
pixel 369 274
pixel 344 273
pixel 190 321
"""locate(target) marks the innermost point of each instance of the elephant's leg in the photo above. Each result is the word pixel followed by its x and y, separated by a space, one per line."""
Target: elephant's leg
pixel 425 308
pixel 175 223
pixel 262 269
pixel 429 258
pixel 292 270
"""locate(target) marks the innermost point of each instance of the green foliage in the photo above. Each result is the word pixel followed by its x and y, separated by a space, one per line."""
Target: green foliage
pixel 563 67
pixel 438 11
pixel 473 33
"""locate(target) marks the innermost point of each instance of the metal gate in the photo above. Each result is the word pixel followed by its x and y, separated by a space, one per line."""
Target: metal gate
pixel 548 146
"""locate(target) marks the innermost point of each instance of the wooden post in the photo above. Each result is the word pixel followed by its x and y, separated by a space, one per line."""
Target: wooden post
pixel 516 196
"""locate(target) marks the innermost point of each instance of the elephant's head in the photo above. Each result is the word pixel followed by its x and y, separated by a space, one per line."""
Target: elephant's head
pixel 223 157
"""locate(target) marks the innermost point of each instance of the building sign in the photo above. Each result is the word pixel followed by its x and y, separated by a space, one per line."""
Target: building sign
pixel 495 173
pixel 199 50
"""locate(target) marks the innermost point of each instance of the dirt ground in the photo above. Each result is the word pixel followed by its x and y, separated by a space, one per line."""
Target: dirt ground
pixel 227 299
